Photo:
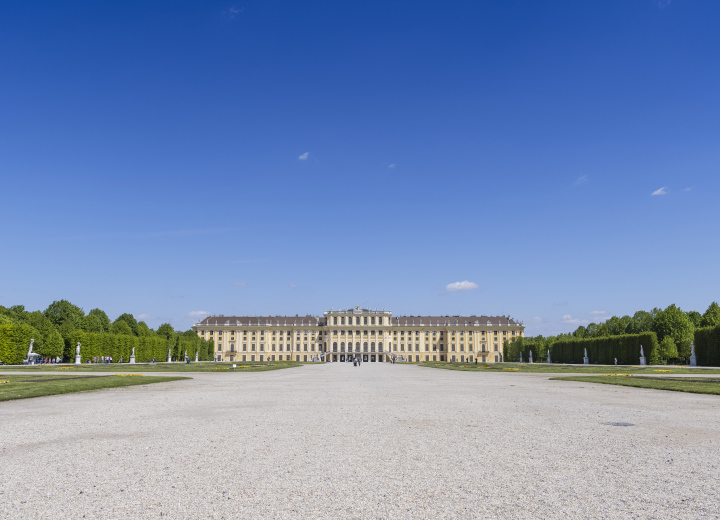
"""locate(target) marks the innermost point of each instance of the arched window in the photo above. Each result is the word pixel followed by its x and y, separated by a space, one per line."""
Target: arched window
pixel 372 346
pixel 334 346
pixel 365 347
pixel 357 347
pixel 380 347
pixel 372 321
pixel 342 346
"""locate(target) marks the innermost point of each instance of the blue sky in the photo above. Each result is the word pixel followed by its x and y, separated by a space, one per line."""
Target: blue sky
pixel 271 157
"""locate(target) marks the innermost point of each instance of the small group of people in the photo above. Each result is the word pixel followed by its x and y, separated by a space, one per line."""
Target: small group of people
pixel 41 360
pixel 102 360
pixel 357 360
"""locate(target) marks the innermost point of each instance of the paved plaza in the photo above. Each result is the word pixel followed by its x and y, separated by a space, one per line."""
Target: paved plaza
pixel 379 441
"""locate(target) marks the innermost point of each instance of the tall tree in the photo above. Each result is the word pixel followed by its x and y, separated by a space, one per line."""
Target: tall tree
pixel 711 317
pixel 617 326
pixel 673 322
pixel 695 317
pixel 101 322
pixel 131 321
pixel 667 348
pixel 93 323
pixel 65 316
pixel 144 330
pixel 121 327
pixel 166 331
pixel 642 321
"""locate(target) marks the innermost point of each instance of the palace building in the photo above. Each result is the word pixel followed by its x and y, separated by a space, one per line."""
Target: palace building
pixel 371 335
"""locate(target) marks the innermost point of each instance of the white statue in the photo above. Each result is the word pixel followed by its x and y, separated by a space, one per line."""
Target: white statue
pixel 77 349
pixel 692 348
pixel 530 354
pixel 30 352
pixel 642 354
pixel 585 352
pixel 133 353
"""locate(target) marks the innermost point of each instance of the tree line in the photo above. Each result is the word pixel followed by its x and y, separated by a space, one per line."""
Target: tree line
pixel 674 328
pixel 57 329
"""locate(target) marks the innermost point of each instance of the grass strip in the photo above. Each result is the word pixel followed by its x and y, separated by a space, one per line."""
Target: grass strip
pixel 33 385
pixel 157 367
pixel 552 368
pixel 692 385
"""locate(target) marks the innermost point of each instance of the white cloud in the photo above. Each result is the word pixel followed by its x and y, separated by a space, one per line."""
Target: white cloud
pixel 240 284
pixel 597 313
pixel 142 317
pixel 537 319
pixel 304 156
pixel 687 189
pixel 461 286
pixel 197 314
pixel 391 165
pixel 293 286
pixel 567 318
pixel 581 180
pixel 661 191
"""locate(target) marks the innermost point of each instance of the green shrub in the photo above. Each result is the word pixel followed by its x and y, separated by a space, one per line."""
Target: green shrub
pixel 15 342
pixel 707 346
pixel 604 350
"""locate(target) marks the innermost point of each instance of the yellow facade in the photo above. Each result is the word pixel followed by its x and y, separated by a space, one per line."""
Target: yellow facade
pixel 370 335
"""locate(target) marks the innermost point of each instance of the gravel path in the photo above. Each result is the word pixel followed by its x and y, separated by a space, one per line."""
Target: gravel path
pixel 379 441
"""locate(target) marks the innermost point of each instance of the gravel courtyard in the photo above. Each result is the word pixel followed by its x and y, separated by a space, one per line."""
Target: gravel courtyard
pixel 379 441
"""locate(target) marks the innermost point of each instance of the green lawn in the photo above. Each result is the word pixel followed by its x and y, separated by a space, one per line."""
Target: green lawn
pixel 685 384
pixel 158 367
pixel 582 369
pixel 37 385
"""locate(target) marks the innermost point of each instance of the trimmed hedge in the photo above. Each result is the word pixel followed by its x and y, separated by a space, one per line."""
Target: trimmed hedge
pixel 115 345
pixel 604 350
pixel 707 346
pixel 512 350
pixel 15 342
pixel 146 347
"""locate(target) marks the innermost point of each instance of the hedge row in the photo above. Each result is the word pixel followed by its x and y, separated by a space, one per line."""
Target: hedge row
pixel 513 349
pixel 15 342
pixel 146 347
pixel 707 346
pixel 604 350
